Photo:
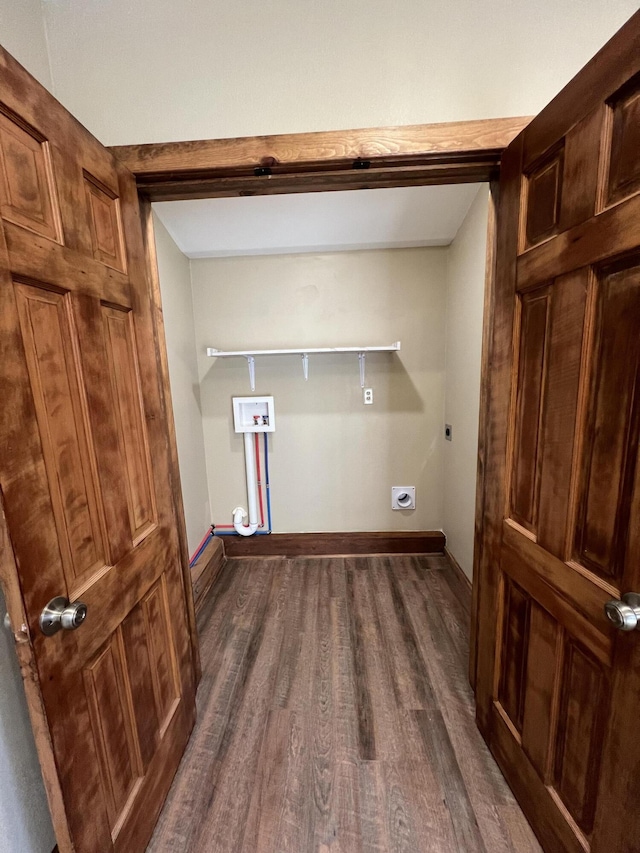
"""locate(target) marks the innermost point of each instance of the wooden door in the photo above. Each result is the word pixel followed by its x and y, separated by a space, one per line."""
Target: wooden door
pixel 85 480
pixel 557 686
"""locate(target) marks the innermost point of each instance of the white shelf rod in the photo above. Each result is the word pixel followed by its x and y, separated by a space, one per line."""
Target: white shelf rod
pixel 305 353
pixel 218 353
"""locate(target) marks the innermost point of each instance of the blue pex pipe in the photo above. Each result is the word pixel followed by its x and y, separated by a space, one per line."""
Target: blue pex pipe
pixel 266 476
pixel 198 553
pixel 233 533
pixel 267 485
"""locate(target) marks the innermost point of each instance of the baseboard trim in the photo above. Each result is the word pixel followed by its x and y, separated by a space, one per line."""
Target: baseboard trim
pixel 331 544
pixel 206 570
pixel 457 568
pixel 463 584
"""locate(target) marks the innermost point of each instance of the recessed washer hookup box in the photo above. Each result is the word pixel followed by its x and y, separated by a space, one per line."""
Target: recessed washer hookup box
pixel 254 414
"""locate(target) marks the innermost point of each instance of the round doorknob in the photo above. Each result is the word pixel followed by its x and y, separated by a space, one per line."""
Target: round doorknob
pixel 625 613
pixel 73 616
pixel 60 614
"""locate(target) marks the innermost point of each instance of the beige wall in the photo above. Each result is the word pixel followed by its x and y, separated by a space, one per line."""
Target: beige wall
pixel 22 33
pixel 465 297
pixel 333 459
pixel 154 70
pixel 175 286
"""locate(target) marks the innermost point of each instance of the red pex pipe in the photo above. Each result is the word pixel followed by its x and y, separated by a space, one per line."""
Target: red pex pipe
pixel 202 543
pixel 259 478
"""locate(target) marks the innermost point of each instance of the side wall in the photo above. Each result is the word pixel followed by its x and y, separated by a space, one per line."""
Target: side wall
pixel 465 300
pixel 177 307
pixel 333 459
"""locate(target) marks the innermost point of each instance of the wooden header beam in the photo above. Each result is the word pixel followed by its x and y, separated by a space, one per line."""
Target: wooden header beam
pixel 451 152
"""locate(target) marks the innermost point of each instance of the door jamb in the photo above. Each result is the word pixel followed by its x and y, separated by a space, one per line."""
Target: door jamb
pixel 460 152
pixel 153 283
pixel 483 417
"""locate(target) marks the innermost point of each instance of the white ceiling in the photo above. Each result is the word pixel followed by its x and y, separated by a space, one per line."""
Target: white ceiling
pixel 315 222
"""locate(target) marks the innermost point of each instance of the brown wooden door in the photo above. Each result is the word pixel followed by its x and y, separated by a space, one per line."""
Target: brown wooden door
pixel 85 480
pixel 558 687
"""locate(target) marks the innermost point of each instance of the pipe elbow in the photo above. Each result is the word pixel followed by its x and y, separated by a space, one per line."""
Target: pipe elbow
pixel 240 518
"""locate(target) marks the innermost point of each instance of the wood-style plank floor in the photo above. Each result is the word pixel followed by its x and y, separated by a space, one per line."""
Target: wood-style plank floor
pixel 334 715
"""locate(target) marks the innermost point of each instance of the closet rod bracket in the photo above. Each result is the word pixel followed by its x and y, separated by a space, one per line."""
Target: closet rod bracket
pixel 251 362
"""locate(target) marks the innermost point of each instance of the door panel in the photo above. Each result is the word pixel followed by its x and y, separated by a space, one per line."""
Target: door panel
pixel 126 403
pixel 533 310
pixel 581 716
pixel 105 221
pixel 88 515
pixel 562 384
pixel 517 609
pixel 542 195
pixel 623 141
pixel 611 433
pixel 544 649
pixel 45 323
pixel 555 680
pixel 111 722
pixel 552 696
pixel 26 179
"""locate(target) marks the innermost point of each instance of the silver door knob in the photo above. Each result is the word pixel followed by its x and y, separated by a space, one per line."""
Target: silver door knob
pixel 624 614
pixel 60 614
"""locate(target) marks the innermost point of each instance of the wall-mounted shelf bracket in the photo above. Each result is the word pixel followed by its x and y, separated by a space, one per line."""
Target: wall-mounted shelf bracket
pixel 304 353
pixel 252 371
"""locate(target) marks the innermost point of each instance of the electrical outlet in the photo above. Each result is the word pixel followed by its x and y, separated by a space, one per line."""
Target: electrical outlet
pixel 368 396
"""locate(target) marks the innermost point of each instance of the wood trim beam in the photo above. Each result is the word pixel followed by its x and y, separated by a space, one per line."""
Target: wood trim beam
pixel 448 152
pixel 482 168
pixel 328 544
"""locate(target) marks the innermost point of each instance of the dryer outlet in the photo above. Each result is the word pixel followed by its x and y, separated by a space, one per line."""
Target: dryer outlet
pixel 403 497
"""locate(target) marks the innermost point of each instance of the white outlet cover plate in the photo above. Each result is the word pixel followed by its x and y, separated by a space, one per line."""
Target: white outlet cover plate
pixel 398 491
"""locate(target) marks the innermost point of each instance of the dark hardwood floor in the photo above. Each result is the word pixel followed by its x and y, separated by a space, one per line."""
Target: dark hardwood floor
pixel 335 716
